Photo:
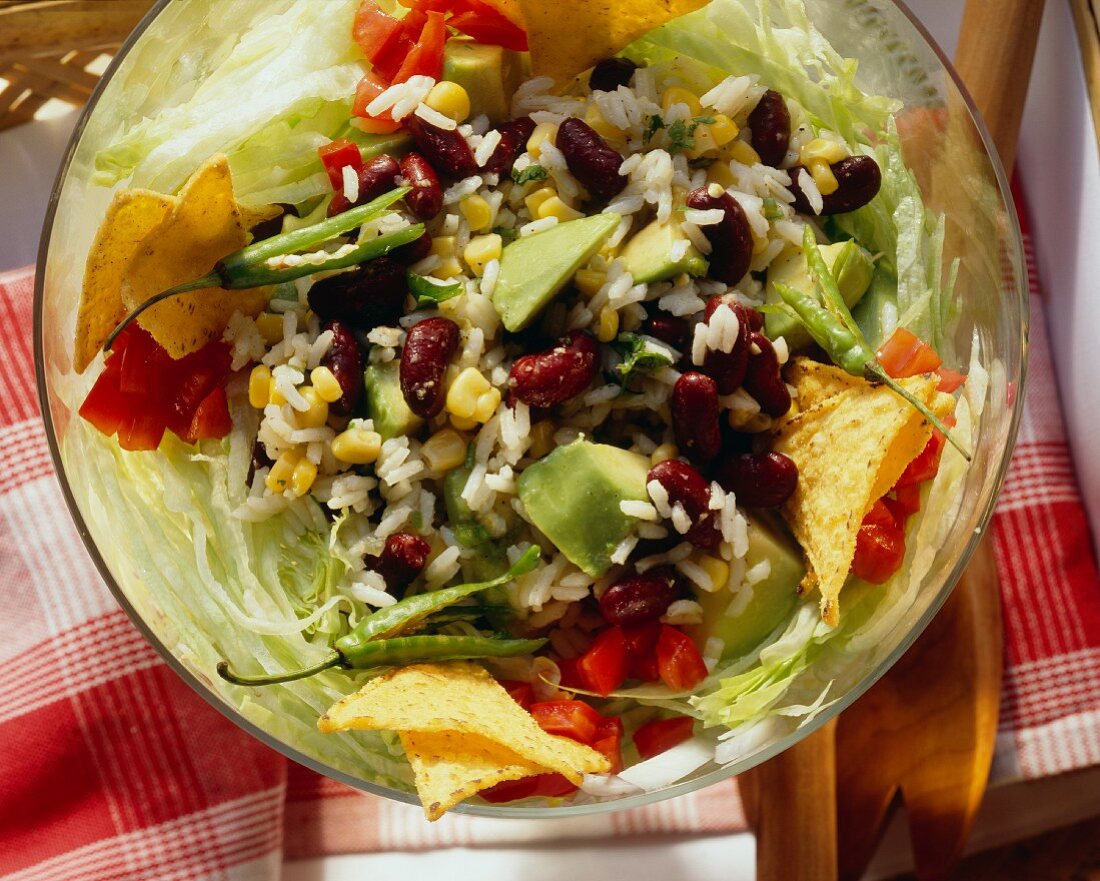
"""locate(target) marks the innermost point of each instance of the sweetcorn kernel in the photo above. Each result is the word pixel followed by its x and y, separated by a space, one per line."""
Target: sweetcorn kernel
pixel 742 151
pixel 327 385
pixel 600 125
pixel 270 327
pixel 278 478
pixel 542 439
pixel 449 268
pixel 823 176
pixel 589 281
pixel 534 200
pixel 719 173
pixel 259 387
pixel 317 414
pixel 822 149
pixel 704 143
pixel 444 246
pixel 555 207
pixel 444 451
pixel 305 472
pixel 718 571
pixel 450 99
pixel 477 212
pixel 357 446
pixel 543 131
pixel 723 129
pixel 462 423
pixel 677 95
pixel 663 453
pixel 609 325
pixel 470 396
pixel 481 250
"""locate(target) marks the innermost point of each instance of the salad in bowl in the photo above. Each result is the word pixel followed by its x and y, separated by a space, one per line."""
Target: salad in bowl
pixel 508 401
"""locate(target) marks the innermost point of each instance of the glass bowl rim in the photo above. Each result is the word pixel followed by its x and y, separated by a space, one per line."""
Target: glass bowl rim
pixel 541 812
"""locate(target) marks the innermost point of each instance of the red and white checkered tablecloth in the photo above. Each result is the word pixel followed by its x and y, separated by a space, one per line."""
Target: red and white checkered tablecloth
pixel 112 768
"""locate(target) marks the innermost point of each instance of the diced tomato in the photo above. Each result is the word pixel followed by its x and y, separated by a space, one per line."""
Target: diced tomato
pixel 660 735
pixel 106 407
pixel 374 30
pixel 141 431
pixel 544 785
pixel 573 719
pixel 147 369
pixel 388 62
pixel 211 420
pixel 949 380
pixel 905 354
pixel 609 739
pixel 925 466
pixel 521 692
pixel 486 25
pixel 369 88
pixel 903 502
pixel 426 57
pixel 880 545
pixel 338 155
pixel 678 660
pixel 641 645
pixel 603 667
pixel 570 676
pixel 645 668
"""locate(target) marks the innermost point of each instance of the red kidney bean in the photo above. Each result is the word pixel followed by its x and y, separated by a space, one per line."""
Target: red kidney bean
pixel 558 374
pixel 668 329
pixel 858 180
pixel 744 313
pixel 590 160
pixel 429 346
pixel 641 597
pixel 371 295
pixel 763 380
pixel 611 73
pixel 730 240
pixel 345 359
pixel 728 369
pixel 447 151
pixel 375 178
pixel 695 417
pixel 403 558
pixel 688 488
pixel 414 251
pixel 513 141
pixel 770 123
pixel 426 198
pixel 758 480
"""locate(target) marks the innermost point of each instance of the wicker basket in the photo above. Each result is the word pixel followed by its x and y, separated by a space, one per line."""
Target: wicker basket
pixel 46 47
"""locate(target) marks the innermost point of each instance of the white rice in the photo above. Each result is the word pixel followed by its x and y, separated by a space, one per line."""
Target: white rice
pixel 809 189
pixel 401 99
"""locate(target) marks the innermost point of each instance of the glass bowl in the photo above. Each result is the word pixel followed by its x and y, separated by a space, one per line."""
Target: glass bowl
pixel 945 146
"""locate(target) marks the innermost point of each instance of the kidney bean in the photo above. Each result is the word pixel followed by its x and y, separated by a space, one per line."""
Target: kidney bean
pixel 414 251
pixel 590 160
pixel 345 359
pixel 375 178
pixel 429 346
pixel 728 369
pixel 730 240
pixel 695 417
pixel 758 480
pixel 426 198
pixel 611 73
pixel 688 488
pixel 513 141
pixel 641 597
pixel 371 295
pixel 403 558
pixel 668 329
pixel 558 374
pixel 763 381
pixel 858 180
pixel 447 151
pixel 744 313
pixel 770 122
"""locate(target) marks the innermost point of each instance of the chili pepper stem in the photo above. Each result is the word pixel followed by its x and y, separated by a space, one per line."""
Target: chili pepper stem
pixel 874 372
pixel 212 280
pixel 333 660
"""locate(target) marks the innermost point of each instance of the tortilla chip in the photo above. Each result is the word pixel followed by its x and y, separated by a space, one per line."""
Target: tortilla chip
pixel 567 37
pixel 204 225
pixel 851 443
pixel 131 217
pixel 449 767
pixel 816 381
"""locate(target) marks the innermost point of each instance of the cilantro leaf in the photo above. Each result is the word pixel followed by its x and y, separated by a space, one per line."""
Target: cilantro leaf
pixel 530 173
pixel 506 233
pixel 655 125
pixel 641 356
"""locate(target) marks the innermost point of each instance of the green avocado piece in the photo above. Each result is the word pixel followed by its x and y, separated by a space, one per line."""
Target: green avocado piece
pixel 851 266
pixel 372 145
pixel 573 495
pixel 648 255
pixel 385 403
pixel 489 74
pixel 534 269
pixel 772 601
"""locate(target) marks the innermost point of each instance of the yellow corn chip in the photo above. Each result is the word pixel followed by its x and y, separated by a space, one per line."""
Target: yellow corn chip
pixel 567 37
pixel 851 443
pixel 449 767
pixel 131 217
pixel 816 381
pixel 204 225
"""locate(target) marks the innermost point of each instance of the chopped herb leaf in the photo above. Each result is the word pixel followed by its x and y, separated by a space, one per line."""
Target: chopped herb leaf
pixel 530 173
pixel 430 292
pixel 641 356
pixel 506 233
pixel 681 136
pixel 655 125
pixel 772 210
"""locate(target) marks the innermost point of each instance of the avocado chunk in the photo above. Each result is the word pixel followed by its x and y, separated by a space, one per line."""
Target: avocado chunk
pixel 851 266
pixel 648 255
pixel 573 496
pixel 772 600
pixel 489 74
pixel 534 269
pixel 385 403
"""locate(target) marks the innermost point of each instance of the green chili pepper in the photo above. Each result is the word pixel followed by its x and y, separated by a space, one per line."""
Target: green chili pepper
pixel 832 327
pixel 249 267
pixel 430 293
pixel 375 642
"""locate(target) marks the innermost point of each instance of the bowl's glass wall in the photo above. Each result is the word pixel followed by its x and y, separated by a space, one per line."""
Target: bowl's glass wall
pixel 945 148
